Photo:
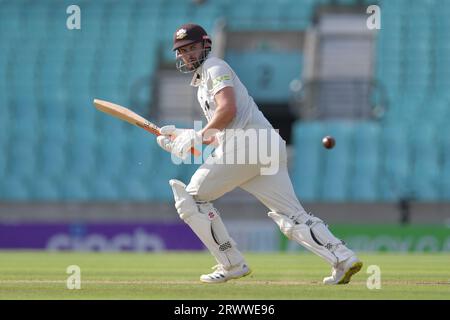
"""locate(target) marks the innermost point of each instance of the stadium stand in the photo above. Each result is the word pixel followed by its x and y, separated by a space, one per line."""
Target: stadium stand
pixel 55 146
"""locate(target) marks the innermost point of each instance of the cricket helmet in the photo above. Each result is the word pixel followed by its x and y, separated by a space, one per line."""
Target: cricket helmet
pixel 189 34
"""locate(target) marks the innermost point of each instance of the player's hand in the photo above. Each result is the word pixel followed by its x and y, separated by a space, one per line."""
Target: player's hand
pixel 183 143
pixel 164 142
pixel 171 131
pixel 168 134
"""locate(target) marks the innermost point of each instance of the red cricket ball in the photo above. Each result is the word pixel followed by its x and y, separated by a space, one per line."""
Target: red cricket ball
pixel 328 142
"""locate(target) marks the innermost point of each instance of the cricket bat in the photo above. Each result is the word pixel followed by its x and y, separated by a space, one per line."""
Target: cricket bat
pixel 129 116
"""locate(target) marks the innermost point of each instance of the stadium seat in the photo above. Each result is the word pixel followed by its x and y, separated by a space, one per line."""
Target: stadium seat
pixel 104 189
pixel 9 22
pixel 5 123
pixel 426 158
pixel 14 188
pixel 55 132
pixel 396 164
pixel 49 129
pixel 81 155
pixel 135 189
pixel 206 14
pixel 3 159
pixel 242 17
pixel 51 159
pixel 74 188
pixel 307 163
pixel 366 141
pixel 140 153
pixel 109 159
pixel 364 188
pixel 187 171
pixel 21 160
pixel 336 170
pixel 44 189
pixel 267 73
pixel 445 187
pixel 297 15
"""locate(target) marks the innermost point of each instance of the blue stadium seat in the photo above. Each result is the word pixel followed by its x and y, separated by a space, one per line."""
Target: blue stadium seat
pixel 81 153
pixel 366 139
pixel 168 170
pixel 366 162
pixel 336 170
pixel 104 189
pixel 14 188
pixel 110 157
pixel 206 14
pixel 3 160
pixel 10 22
pixel 44 189
pixel 93 15
pixel 267 73
pixel 51 82
pixel 120 21
pixel 52 75
pixel 268 16
pixel 297 15
pixel 445 182
pixel 173 14
pixel 364 188
pixel 51 159
pixel 21 160
pixel 74 188
pixel 5 122
pixel 4 59
pixel 242 16
pixel 151 164
pixel 35 19
pixel 187 171
pixel 147 16
pixel 135 189
pixel 55 132
pixel 140 153
pixel 53 111
pixel 83 114
pixel 426 160
pixel 307 162
pixel 396 164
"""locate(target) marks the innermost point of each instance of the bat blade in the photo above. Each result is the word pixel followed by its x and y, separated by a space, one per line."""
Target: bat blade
pixel 126 114
pixel 131 117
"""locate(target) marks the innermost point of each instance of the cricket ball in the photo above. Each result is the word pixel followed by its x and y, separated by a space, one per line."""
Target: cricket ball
pixel 328 142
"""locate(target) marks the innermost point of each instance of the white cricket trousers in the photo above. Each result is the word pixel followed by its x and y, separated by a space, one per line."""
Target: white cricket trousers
pixel 213 180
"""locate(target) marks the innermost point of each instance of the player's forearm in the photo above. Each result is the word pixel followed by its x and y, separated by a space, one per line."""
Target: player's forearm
pixel 222 118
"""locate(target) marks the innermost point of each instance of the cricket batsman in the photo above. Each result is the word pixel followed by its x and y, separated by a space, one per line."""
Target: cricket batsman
pixel 228 106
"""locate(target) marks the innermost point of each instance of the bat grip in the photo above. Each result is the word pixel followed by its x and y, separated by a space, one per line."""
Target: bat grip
pixel 194 151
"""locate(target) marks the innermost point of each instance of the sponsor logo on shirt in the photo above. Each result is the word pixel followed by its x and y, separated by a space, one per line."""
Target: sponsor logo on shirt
pixel 220 79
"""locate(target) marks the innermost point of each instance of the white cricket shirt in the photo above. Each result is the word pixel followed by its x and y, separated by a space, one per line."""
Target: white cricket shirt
pixel 214 75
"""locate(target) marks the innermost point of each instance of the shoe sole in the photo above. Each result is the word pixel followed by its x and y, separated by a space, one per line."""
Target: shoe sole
pixel 353 269
pixel 232 278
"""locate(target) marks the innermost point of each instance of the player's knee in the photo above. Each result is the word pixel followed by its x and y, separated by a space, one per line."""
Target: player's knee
pixel 201 194
pixel 184 202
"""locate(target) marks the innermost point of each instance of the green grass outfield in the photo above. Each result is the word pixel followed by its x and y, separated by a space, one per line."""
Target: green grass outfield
pixel 42 275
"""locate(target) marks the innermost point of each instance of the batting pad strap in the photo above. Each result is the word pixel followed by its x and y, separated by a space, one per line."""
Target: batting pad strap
pixel 285 223
pixel 313 234
pixel 220 234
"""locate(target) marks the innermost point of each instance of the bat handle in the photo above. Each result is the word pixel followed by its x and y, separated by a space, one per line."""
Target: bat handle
pixel 195 152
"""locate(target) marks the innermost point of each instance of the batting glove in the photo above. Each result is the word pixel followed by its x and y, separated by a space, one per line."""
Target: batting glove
pixel 183 143
pixel 168 134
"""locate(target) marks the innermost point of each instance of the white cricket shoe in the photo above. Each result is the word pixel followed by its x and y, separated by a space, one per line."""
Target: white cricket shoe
pixel 342 273
pixel 220 274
